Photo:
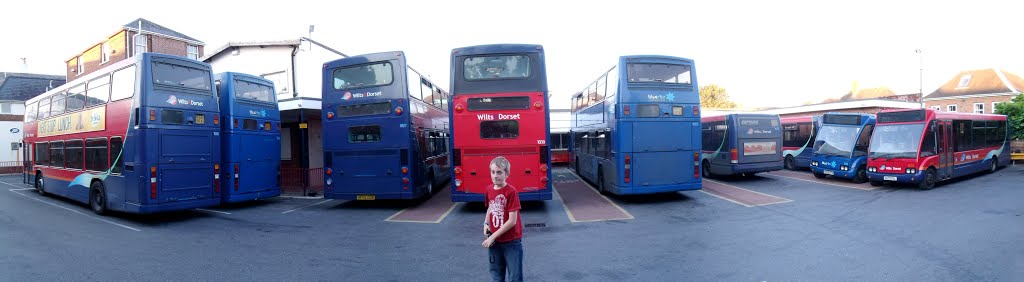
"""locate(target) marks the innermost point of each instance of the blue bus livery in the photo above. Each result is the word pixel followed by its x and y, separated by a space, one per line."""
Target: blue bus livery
pixel 741 144
pixel 841 148
pixel 147 137
pixel 636 129
pixel 385 129
pixel 250 138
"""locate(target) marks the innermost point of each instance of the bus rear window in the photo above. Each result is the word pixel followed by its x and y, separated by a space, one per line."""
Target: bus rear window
pixel 363 134
pixel 182 76
pixel 254 91
pixel 496 67
pixel 363 76
pixel 661 73
pixel 172 117
pixel 364 109
pixel 499 129
pixel 498 103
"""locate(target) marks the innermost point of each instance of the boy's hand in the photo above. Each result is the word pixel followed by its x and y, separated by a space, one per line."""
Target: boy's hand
pixel 487 243
pixel 487 231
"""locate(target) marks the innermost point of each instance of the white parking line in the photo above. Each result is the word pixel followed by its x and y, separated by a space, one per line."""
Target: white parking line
pixel 21 189
pixel 74 211
pixel 213 211
pixel 302 207
pixel 16 185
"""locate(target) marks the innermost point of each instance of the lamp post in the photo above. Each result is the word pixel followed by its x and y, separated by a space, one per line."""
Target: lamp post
pixel 920 75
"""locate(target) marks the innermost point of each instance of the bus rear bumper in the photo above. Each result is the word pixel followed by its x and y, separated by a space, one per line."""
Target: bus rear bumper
pixel 636 190
pixel 376 196
pixel 542 195
pixel 251 196
pixel 172 206
pixel 847 174
pixel 757 167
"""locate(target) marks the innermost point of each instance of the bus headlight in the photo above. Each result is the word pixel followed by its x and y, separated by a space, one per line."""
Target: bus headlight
pixel 871 169
pixel 814 163
pixel 911 170
pixel 844 168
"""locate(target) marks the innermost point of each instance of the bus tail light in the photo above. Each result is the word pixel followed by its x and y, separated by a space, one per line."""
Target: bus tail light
pixel 405 180
pixel 216 119
pixel 398 111
pixel 696 165
pixel 459 108
pixel 696 110
pixel 330 115
pixel 625 110
pixel 152 182
pixel 266 125
pixel 538 105
pixel 734 156
pixel 329 171
pixel 628 165
pixel 152 114
pixel 216 178
pixel 235 123
pixel 236 177
pixel 458 171
pixel 543 168
pixel 544 181
pixel 405 170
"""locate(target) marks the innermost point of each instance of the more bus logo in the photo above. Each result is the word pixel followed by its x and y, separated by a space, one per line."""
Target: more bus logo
pixel 260 113
pixel 666 97
pixel 499 117
pixel 349 95
pixel 172 100
pixel 175 101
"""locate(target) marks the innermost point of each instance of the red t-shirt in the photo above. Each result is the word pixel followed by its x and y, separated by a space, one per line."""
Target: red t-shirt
pixel 499 204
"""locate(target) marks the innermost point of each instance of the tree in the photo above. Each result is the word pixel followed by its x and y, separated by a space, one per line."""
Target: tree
pixel 713 96
pixel 1014 111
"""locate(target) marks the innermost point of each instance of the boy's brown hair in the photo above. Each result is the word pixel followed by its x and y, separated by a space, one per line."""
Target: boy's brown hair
pixel 502 163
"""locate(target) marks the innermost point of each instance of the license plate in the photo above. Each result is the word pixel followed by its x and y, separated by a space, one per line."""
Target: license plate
pixel 366 197
pixel 889 178
pixel 829 172
pixel 200 119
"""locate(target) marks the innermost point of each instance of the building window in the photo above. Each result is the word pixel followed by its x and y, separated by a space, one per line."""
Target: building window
pixel 5 108
pixel 979 108
pixel 105 53
pixel 280 80
pixel 80 66
pixel 193 52
pixel 951 108
pixel 964 81
pixel 994 106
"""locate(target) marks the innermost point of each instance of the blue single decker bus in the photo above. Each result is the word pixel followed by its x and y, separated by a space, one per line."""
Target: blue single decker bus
pixel 798 134
pixel 743 144
pixel 636 129
pixel 841 148
pixel 250 138
pixel 385 129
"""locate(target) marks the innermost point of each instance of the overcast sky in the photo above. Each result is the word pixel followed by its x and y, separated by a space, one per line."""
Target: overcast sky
pixel 765 53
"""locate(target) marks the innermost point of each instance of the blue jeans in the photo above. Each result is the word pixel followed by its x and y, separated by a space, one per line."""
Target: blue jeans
pixel 506 257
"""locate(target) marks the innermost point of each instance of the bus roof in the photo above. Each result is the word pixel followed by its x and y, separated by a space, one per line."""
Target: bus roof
pixel 654 57
pixel 244 76
pixel 722 117
pixel 931 114
pixel 107 70
pixel 797 119
pixel 365 58
pixel 498 49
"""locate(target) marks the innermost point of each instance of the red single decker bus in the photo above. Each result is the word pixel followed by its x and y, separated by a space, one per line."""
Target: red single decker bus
pixel 499 107
pixel 926 146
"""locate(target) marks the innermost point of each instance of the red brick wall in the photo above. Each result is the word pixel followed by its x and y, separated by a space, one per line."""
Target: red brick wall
pixel 966 105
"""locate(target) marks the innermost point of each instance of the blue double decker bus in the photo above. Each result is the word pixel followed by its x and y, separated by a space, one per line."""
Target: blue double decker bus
pixel 841 148
pixel 385 129
pixel 636 129
pixel 250 138
pixel 741 144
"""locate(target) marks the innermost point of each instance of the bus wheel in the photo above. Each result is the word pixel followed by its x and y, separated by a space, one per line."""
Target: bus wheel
pixel 39 185
pixel 706 169
pixel 861 177
pixel 98 198
pixel 929 180
pixel 430 184
pixel 790 162
pixel 576 166
pixel 994 166
pixel 818 175
pixel 600 181
pixel 876 183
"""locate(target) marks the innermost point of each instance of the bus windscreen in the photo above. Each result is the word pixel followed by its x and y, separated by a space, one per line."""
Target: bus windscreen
pixel 364 109
pixel 182 76
pixel 498 103
pixel 253 91
pixel 661 73
pixel 496 67
pixel 375 74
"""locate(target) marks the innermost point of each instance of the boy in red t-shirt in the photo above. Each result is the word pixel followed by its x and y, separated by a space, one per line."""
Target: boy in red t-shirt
pixel 502 226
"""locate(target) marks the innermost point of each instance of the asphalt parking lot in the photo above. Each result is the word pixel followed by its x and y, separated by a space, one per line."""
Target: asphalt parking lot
pixel 772 226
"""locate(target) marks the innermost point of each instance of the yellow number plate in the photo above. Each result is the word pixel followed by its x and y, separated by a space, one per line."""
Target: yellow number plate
pixel 366 197
pixel 200 119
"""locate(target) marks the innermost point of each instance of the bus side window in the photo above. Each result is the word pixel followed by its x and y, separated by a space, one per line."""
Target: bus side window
pixel 57 154
pixel 928 144
pixel 861 149
pixel 115 154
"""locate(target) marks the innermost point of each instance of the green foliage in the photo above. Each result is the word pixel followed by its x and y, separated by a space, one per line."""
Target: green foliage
pixel 713 96
pixel 1014 111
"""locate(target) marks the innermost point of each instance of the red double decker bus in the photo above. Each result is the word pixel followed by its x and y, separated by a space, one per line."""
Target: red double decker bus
pixel 925 146
pixel 499 107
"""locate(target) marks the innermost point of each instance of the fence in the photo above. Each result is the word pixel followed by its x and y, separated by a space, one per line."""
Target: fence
pixel 12 167
pixel 302 181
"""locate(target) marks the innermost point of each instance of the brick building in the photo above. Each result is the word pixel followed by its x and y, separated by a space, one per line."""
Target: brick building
pixel 975 91
pixel 869 106
pixel 121 45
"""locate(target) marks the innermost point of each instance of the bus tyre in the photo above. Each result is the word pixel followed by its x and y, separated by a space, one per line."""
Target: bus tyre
pixel 861 176
pixel 600 181
pixel 929 180
pixel 876 183
pixel 818 175
pixel 98 198
pixel 705 169
pixel 994 166
pixel 576 166
pixel 790 162
pixel 430 184
pixel 39 185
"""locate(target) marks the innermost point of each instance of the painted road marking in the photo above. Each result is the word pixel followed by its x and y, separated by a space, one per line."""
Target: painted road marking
pixel 811 178
pixel 739 195
pixel 213 211
pixel 306 206
pixel 433 210
pixel 74 211
pixel 582 203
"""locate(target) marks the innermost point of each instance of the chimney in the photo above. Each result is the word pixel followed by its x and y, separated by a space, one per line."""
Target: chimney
pixel 24 64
